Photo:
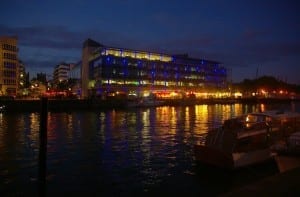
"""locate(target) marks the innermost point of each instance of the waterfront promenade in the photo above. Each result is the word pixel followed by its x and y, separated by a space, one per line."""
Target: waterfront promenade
pixel 282 184
pixel 26 105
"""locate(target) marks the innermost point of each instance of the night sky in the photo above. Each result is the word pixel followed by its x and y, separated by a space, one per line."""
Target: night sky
pixel 249 37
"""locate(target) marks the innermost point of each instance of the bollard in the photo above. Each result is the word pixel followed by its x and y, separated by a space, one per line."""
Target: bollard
pixel 43 147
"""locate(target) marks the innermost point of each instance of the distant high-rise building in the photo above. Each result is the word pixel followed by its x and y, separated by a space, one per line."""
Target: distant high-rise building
pixel 89 47
pixel 61 73
pixel 9 69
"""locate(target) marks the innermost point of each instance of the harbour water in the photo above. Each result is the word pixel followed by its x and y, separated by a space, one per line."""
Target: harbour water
pixel 144 151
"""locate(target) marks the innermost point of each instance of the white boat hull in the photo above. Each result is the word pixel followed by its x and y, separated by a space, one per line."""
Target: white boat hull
pixel 251 158
pixel 220 159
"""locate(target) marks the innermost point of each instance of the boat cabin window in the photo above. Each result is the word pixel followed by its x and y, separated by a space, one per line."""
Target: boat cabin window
pixel 252 118
pixel 255 121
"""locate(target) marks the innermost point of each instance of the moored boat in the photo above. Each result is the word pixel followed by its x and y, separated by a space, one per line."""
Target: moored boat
pixel 245 140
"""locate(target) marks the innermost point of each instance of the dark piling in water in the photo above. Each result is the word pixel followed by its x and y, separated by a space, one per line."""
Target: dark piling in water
pixel 43 147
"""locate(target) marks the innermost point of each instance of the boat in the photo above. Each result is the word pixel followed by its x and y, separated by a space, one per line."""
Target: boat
pixel 287 152
pixel 245 140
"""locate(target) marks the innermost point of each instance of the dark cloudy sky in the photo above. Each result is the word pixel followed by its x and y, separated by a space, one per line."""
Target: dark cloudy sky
pixel 245 35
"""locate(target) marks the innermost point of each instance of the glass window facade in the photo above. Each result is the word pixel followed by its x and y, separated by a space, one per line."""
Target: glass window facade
pixel 116 69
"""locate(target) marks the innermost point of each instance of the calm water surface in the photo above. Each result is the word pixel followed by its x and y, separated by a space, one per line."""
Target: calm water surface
pixel 115 153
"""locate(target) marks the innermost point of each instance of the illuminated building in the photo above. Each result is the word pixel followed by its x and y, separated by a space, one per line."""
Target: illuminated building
pixel 8 66
pixel 110 69
pixel 75 75
pixel 61 73
pixel 89 46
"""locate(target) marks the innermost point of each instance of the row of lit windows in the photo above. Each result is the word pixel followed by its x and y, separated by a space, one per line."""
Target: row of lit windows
pixel 61 73
pixel 10 65
pixel 10 56
pixel 118 71
pixel 9 73
pixel 147 82
pixel 153 57
pixel 137 55
pixel 9 47
pixel 62 68
pixel 119 62
pixel 9 82
pixel 149 75
pixel 11 91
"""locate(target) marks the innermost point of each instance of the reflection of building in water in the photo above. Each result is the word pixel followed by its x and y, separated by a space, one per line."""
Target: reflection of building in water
pixel 201 117
pixel 111 69
pixel 34 125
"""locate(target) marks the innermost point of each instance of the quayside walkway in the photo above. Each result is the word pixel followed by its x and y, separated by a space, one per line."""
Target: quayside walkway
pixel 282 184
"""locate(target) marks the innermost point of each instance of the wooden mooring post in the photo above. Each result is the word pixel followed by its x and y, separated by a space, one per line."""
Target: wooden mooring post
pixel 43 148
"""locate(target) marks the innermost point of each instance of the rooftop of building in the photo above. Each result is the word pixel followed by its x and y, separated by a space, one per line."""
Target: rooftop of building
pixel 91 43
pixel 8 38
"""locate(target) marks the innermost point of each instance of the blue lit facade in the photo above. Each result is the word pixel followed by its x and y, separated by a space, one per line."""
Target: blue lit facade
pixel 130 71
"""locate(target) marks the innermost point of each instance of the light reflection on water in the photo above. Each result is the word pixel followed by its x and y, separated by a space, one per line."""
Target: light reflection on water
pixel 111 152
